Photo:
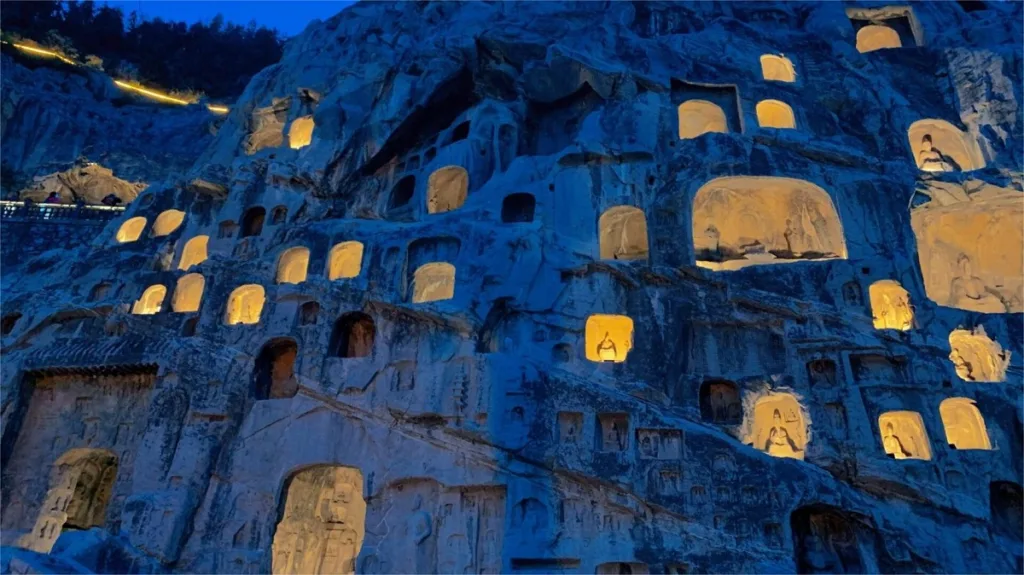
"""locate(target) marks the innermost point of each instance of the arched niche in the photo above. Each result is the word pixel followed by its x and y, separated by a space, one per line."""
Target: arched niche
pixel 322 523
pixel 252 221
pixel 623 234
pixel 1006 507
pixel 890 306
pixel 698 117
pixel 434 281
pixel 739 221
pixel 402 193
pixel 825 541
pixel 876 37
pixel 131 230
pixel 278 215
pixel 353 336
pixel 194 252
pixel 446 189
pixel 167 222
pixel 609 338
pixel 345 260
pixel 518 208
pixel 245 304
pixel 778 427
pixel 777 68
pixel 292 265
pixel 300 134
pixel 77 499
pixel 976 357
pixel 904 435
pixel 188 293
pixel 274 371
pixel 939 146
pixel 972 252
pixel 720 402
pixel 963 423
pixel 775 114
pixel 151 300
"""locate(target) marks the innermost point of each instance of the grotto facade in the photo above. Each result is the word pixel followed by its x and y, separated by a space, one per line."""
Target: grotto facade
pixel 551 288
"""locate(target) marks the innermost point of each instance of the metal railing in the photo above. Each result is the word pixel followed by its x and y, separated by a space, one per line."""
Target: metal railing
pixel 58 212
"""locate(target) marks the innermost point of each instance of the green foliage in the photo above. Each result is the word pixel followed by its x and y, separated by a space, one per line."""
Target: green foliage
pixel 216 58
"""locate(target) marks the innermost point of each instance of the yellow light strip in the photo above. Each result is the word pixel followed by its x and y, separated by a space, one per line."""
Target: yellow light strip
pixel 217 109
pixel 151 93
pixel 47 53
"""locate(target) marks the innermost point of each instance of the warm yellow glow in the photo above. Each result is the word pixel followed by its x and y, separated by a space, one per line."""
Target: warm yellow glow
pixel 741 221
pixel 446 189
pixel 698 117
pixel 903 435
pixel 151 93
pixel 151 301
pixel 939 146
pixel 890 306
pixel 623 234
pixel 245 305
pixel 964 425
pixel 874 37
pixel 775 114
pixel 345 260
pixel 167 222
pixel 131 229
pixel 218 109
pixel 188 293
pixel 194 252
pixel 292 266
pixel 433 282
pixel 301 132
pixel 47 53
pixel 777 68
pixel 976 357
pixel 779 427
pixel 608 337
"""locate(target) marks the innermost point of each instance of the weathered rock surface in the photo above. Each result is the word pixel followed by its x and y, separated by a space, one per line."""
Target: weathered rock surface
pixel 553 288
pixel 88 182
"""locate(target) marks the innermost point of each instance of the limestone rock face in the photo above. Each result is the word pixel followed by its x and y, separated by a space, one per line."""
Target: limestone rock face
pixel 552 288
pixel 90 183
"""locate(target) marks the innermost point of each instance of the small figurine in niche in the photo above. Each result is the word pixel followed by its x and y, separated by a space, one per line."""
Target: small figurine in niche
pixel 893 445
pixel 714 239
pixel 931 159
pixel 606 349
pixel 779 442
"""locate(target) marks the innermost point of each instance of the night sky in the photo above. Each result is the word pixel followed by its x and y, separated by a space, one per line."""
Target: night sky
pixel 289 17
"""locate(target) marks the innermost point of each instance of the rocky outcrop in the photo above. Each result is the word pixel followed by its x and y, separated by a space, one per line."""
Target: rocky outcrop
pixel 87 182
pixel 590 287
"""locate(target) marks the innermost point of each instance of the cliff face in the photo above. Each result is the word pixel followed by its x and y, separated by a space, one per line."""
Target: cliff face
pixel 544 287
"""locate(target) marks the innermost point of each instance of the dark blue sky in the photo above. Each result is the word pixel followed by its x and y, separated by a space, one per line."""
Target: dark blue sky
pixel 288 16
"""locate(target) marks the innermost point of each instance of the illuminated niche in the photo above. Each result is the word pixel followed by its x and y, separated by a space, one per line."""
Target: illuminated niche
pixel 608 337
pixel 890 306
pixel 151 301
pixel 903 435
pixel 775 114
pixel 976 357
pixel 939 146
pixel 434 281
pixel 446 189
pixel 779 428
pixel 292 266
pixel 322 522
pixel 740 221
pixel 167 222
pixel 188 293
pixel 964 425
pixel 875 37
pixel 623 234
pixel 345 260
pixel 697 117
pixel 300 134
pixel 194 252
pixel 131 229
pixel 777 68
pixel 245 305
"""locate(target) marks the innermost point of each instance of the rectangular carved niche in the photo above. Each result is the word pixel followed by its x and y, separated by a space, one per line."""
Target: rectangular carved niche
pixel 570 426
pixel 659 443
pixel 874 367
pixel 613 432
pixel 821 372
